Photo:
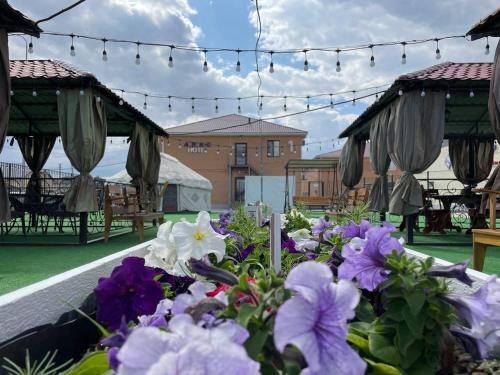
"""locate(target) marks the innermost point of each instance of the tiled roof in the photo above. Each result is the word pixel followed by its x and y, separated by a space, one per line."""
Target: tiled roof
pixel 451 71
pixel 234 125
pixel 45 69
pixel 488 26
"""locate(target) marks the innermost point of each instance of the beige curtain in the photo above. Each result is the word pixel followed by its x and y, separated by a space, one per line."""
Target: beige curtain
pixel 83 127
pixel 380 162
pixel 4 117
pixel 143 163
pixel 351 161
pixel 414 139
pixel 467 171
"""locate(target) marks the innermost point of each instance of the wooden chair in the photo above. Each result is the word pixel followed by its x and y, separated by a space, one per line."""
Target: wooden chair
pixel 122 203
pixel 482 238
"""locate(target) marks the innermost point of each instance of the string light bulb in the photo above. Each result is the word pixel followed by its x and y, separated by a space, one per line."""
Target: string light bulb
pixel 170 104
pixel 308 106
pixel 121 98
pixel 331 101
pixel 170 58
pixel 471 94
pixel 271 64
pixel 284 104
pixel 104 53
pixel 306 63
pixel 400 92
pixel 338 68
pixel 30 46
pixel 216 105
pixel 422 93
pixel 192 105
pixel 81 92
pixel 58 92
pixel 205 63
pixel 138 55
pixel 239 105
pixel 260 105
pixel 98 99
pixel 34 93
pixel 376 97
pixel 438 52
pixel 448 95
pixel 403 56
pixel 354 97
pixel 72 50
pixel 145 105
pixel 372 58
pixel 487 48
pixel 238 64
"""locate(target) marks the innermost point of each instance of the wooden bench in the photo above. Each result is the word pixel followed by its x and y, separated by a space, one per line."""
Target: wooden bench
pixel 355 197
pixel 122 203
pixel 481 238
pixel 313 202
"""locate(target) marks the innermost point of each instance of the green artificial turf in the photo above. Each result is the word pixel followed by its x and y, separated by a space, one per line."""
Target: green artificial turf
pixel 21 265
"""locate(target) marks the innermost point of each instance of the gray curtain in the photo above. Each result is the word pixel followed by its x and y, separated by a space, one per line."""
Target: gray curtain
pixel 471 159
pixel 83 127
pixel 143 163
pixel 380 162
pixel 35 150
pixel 414 140
pixel 4 117
pixel 351 161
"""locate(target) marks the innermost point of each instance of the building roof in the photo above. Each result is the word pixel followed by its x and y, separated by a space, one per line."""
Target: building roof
pixel 488 26
pixel 15 22
pixel 46 76
pixel 456 78
pixel 234 125
pixel 311 164
pixel 335 154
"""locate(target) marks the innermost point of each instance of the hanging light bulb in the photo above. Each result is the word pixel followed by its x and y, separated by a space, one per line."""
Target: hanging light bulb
pixel 256 154
pixel 284 104
pixel 338 68
pixel 11 93
pixel 422 93
pixel 58 92
pixel 438 52
pixel 448 95
pixel 145 106
pixel 168 143
pixel 239 106
pixel 471 94
pixel 170 58
pixel 192 105
pixel 121 99
pixel 331 101
pixel 205 63
pixel 30 46
pixel 104 53
pixel 308 107
pixel 306 63
pixel 72 51
pixel 372 58
pixel 400 92
pixel 81 92
pixel 179 145
pixel 238 64
pixel 170 104
pixel 34 93
pixel 376 97
pixel 487 48
pixel 217 152
pixel 271 64
pixel 216 105
pixel 138 55
pixel 354 97
pixel 282 153
pixel 403 56
pixel 260 105
pixel 98 99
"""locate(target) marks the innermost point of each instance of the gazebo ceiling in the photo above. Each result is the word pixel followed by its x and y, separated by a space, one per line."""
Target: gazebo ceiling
pixel 38 114
pixel 488 26
pixel 14 21
pixel 464 115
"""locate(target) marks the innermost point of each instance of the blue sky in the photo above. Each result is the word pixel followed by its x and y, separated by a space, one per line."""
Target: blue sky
pixel 231 23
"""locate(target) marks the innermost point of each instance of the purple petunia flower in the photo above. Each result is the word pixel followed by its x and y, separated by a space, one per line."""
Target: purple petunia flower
pixel 187 349
pixel 178 284
pixel 352 229
pixel 158 318
pixel 366 265
pixel 288 243
pixel 224 231
pixel 321 226
pixel 315 320
pixel 225 218
pixel 130 291
pixel 454 271
pixel 243 254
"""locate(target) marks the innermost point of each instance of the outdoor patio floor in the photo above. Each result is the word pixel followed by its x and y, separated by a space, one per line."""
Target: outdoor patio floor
pixel 22 265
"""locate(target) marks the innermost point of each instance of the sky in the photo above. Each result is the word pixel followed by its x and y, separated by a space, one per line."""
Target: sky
pixel 286 24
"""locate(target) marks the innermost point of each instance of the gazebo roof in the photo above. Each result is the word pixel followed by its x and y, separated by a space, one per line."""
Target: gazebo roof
pixel 488 26
pixel 38 114
pixel 464 114
pixel 14 21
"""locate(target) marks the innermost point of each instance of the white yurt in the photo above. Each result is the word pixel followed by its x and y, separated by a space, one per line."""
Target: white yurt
pixel 187 190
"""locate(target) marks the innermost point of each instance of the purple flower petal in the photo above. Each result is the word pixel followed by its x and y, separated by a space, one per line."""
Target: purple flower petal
pixel 454 271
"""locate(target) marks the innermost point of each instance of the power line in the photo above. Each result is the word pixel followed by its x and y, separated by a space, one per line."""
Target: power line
pixel 64 10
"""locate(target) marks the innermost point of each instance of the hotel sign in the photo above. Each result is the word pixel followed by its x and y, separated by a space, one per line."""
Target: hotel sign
pixel 197 147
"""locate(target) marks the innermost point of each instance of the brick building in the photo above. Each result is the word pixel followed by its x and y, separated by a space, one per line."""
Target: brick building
pixel 228 148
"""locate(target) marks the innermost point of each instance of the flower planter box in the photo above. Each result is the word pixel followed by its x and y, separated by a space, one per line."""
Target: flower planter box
pixel 39 317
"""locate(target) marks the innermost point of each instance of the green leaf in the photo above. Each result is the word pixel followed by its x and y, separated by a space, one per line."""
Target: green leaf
pixel 404 338
pixel 358 342
pixel 364 311
pixel 382 368
pixel 415 300
pixel 415 323
pixel 381 347
pixel 360 328
pixel 245 313
pixel 413 353
pixel 292 368
pixel 256 342
pixel 95 363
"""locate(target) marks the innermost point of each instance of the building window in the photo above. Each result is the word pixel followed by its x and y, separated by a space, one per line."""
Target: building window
pixel 240 154
pixel 239 189
pixel 273 149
